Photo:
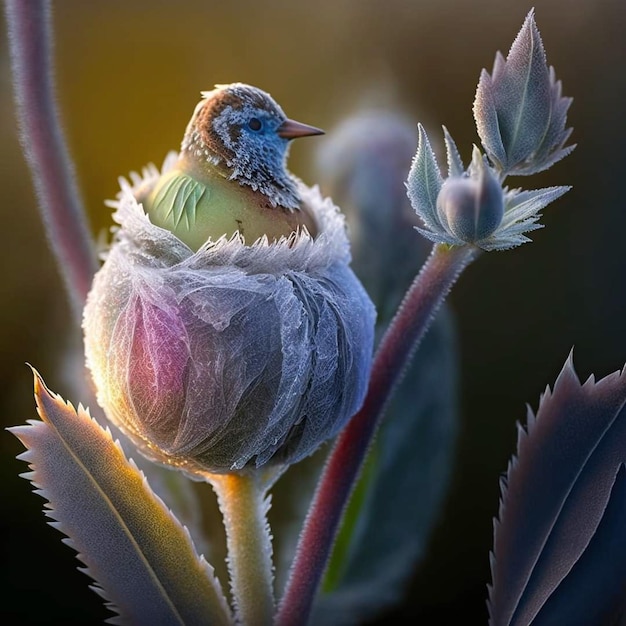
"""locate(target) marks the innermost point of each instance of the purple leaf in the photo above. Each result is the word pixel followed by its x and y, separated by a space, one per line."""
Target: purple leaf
pixel 593 592
pixel 554 497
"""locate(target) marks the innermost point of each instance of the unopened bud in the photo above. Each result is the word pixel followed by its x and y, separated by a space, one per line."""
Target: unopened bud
pixel 471 208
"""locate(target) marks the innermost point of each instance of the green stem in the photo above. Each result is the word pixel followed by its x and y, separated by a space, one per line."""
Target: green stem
pixel 244 504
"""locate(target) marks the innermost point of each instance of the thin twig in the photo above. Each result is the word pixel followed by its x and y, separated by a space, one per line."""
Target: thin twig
pixel 398 345
pixel 30 38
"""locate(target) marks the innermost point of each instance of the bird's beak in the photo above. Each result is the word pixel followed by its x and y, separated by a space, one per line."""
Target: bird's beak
pixel 290 129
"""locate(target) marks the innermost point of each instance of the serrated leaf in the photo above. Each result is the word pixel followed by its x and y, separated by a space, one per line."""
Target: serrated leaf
pixel 455 163
pixel 519 111
pixel 554 497
pixel 139 554
pixel 194 508
pixel 523 205
pixel 439 237
pixel 188 504
pixel 518 228
pixel 504 243
pixel 522 93
pixel 486 117
pixel 403 487
pixel 424 182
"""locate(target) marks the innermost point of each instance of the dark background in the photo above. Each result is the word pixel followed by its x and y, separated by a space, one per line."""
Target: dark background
pixel 129 75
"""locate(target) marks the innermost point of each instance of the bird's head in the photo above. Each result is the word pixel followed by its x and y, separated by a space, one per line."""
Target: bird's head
pixel 242 129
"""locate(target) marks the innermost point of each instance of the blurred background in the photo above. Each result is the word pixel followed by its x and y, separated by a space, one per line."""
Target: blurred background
pixel 129 76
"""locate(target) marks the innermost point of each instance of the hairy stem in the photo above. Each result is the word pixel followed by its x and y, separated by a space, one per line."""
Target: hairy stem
pixel 30 42
pixel 244 504
pixel 398 345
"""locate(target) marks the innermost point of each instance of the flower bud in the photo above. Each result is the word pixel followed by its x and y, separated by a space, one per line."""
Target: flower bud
pixel 519 110
pixel 235 355
pixel 471 208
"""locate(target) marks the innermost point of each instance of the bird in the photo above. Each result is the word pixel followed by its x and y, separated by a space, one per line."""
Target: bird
pixel 231 175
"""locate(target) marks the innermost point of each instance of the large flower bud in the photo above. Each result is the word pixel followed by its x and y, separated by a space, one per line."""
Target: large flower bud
pixel 235 355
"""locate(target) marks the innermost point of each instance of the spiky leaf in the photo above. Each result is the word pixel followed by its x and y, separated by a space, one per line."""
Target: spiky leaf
pixel 557 512
pixel 522 205
pixel 455 163
pixel 519 111
pixel 424 182
pixel 593 591
pixel 139 554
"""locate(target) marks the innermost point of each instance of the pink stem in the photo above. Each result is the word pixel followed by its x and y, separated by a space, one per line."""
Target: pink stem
pixel 398 345
pixel 29 26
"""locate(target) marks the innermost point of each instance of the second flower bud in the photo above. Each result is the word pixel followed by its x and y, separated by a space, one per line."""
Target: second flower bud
pixel 471 208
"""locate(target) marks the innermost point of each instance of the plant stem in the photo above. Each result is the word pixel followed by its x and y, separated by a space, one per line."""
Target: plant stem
pixel 244 505
pixel 397 347
pixel 30 39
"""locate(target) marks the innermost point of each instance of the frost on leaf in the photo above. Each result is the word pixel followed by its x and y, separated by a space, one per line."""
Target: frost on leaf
pixel 424 182
pixel 140 555
pixel 519 110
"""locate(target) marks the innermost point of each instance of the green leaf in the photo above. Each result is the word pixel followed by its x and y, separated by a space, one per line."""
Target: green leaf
pixel 142 558
pixel 344 543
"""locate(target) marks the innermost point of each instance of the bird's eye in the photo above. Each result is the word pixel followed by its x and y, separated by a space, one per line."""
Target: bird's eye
pixel 255 124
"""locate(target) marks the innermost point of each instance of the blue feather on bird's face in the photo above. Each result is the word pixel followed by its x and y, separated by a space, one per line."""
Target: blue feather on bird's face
pixel 243 130
pixel 250 134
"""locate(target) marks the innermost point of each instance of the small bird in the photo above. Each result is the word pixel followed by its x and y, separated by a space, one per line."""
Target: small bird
pixel 230 175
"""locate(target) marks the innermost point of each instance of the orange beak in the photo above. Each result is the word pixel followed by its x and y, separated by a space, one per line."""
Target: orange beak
pixel 290 129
